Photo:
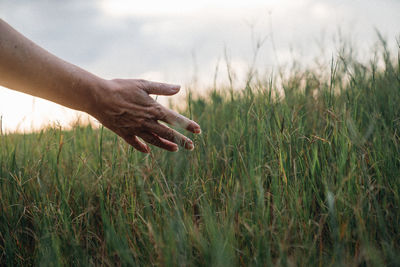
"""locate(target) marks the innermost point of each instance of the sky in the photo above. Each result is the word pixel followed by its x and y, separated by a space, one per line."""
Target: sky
pixel 183 42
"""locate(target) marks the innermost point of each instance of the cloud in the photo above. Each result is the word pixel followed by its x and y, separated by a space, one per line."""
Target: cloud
pixel 174 40
pixel 127 38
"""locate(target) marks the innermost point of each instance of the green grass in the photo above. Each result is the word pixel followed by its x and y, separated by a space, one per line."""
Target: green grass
pixel 309 179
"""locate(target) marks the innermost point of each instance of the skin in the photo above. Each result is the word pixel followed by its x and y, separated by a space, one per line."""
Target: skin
pixel 122 105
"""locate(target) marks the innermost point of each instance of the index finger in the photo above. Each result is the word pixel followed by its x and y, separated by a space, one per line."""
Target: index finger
pixel 176 119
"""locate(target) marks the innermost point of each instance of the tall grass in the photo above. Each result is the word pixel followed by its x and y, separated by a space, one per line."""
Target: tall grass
pixel 311 178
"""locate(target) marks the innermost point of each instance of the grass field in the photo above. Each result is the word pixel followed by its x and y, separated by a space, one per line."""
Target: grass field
pixel 309 179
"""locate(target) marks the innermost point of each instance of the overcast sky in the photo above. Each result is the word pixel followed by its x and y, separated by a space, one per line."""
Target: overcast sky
pixel 175 41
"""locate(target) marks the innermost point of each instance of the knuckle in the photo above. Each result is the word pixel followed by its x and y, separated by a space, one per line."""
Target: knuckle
pixel 147 125
pixel 141 121
pixel 140 80
pixel 161 112
pixel 171 134
pixel 141 83
pixel 157 112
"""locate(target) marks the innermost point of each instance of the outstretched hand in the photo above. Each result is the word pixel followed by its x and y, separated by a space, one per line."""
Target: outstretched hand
pixel 126 108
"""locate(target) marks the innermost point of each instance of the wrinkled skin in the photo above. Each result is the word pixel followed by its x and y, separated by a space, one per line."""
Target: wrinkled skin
pixel 122 105
pixel 128 110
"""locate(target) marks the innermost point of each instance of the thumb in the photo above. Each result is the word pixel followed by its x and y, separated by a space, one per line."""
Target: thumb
pixel 156 88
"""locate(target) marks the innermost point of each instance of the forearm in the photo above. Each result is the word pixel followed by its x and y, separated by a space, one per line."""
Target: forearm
pixel 27 68
pixel 122 105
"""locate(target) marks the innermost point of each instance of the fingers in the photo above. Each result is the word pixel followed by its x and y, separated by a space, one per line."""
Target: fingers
pixel 160 88
pixel 153 139
pixel 170 116
pixel 172 135
pixel 136 143
pixel 176 119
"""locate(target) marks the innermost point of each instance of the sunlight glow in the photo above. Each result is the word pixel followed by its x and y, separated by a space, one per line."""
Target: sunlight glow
pixel 180 41
pixel 33 113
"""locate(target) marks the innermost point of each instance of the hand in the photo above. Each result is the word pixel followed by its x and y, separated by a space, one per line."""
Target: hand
pixel 126 108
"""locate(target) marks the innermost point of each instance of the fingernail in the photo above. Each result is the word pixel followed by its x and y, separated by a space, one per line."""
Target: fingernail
pixel 176 149
pixel 197 131
pixel 190 146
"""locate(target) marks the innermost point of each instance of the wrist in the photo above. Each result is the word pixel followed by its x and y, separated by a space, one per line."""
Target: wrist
pixel 98 88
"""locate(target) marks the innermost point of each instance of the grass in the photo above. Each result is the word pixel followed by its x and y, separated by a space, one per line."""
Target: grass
pixel 309 179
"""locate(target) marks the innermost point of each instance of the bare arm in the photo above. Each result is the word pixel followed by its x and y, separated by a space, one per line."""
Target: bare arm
pixel 122 105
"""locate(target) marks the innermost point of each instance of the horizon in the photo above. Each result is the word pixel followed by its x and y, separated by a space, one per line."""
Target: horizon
pixel 105 37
